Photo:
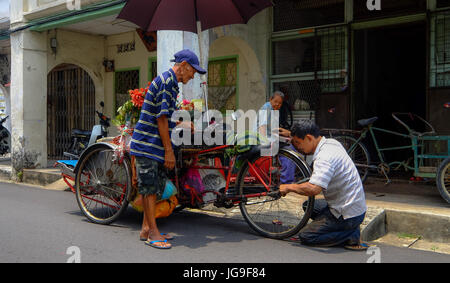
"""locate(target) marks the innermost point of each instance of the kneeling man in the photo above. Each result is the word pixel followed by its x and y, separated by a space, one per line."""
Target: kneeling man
pixel 337 218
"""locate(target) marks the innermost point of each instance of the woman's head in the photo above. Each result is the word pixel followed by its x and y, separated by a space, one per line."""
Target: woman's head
pixel 276 100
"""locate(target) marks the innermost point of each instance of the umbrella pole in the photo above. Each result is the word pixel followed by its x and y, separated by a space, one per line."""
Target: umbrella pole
pixel 202 77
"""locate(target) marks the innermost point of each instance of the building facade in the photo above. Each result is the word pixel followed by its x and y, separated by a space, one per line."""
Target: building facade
pixel 337 61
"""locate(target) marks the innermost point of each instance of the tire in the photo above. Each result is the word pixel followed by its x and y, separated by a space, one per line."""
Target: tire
pixel 443 179
pixel 102 186
pixel 261 213
pixel 359 155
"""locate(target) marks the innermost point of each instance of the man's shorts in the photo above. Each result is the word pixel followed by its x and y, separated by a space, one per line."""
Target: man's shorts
pixel 151 176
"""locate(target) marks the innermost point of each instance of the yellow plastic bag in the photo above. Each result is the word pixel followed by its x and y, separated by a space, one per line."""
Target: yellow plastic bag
pixel 164 208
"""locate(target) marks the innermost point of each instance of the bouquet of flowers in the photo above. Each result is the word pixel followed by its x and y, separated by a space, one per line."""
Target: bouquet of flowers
pixel 186 105
pixel 131 110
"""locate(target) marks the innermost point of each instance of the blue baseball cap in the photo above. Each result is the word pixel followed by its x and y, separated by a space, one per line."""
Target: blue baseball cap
pixel 190 57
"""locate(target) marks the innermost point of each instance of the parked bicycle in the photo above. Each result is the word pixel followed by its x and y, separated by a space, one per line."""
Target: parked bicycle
pixel 418 143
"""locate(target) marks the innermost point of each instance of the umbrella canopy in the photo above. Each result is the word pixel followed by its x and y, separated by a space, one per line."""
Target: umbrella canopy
pixel 183 15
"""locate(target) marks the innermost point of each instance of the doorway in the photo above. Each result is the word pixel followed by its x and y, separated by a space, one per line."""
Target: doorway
pixel 390 76
pixel 70 105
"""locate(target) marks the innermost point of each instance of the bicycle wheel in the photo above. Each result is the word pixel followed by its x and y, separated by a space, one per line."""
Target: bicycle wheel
pixel 103 185
pixel 359 154
pixel 273 216
pixel 443 179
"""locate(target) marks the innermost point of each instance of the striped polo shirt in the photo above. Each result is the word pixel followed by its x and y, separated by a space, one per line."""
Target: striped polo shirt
pixel 335 172
pixel 160 100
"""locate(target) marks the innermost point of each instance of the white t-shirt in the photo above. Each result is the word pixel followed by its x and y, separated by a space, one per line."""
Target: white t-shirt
pixel 335 172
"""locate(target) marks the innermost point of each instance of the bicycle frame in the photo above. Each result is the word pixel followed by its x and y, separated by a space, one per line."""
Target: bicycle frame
pixel 417 146
pixel 235 199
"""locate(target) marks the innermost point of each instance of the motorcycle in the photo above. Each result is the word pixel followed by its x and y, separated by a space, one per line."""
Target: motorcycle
pixel 83 139
pixel 5 138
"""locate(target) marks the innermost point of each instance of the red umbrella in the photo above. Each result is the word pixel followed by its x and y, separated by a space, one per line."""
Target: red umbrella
pixel 184 15
pixel 191 15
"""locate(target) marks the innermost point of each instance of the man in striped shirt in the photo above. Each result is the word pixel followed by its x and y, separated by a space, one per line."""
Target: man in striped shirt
pixel 337 218
pixel 151 144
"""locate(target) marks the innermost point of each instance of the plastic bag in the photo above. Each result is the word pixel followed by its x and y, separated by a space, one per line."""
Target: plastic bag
pixel 213 181
pixel 191 183
pixel 166 207
pixel 169 191
pixel 163 208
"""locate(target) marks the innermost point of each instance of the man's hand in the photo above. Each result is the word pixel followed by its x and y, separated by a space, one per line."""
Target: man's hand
pixel 169 156
pixel 284 133
pixel 304 189
pixel 284 190
pixel 169 159
pixel 186 125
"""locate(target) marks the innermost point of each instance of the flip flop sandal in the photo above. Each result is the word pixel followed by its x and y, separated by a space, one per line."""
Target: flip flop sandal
pixel 168 239
pixel 152 244
pixel 359 247
pixel 162 234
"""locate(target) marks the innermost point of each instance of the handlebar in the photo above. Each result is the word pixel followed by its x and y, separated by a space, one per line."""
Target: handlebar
pixel 413 116
pixel 103 119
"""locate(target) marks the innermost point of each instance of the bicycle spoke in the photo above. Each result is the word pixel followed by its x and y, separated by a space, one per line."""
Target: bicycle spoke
pixel 102 185
pixel 274 216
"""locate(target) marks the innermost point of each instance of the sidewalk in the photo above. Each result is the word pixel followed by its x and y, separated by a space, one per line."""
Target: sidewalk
pixel 402 214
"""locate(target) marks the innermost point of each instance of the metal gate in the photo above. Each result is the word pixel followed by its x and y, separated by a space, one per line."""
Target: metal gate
pixel 312 69
pixel 70 105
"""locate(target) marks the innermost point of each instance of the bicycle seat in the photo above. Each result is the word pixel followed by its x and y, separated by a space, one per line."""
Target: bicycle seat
pixel 366 122
pixel 77 132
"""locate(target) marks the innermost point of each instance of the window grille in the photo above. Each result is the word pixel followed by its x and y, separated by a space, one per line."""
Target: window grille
pixel 442 3
pixel 125 81
pixel 388 8
pixel 297 14
pixel 222 84
pixel 440 49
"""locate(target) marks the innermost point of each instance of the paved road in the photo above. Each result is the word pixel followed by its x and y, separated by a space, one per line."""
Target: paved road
pixel 39 226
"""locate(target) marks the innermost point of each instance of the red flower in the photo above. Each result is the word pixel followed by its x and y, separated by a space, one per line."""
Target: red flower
pixel 138 96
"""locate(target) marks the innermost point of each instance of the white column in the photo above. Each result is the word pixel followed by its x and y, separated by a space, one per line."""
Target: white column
pixel 193 89
pixel 169 43
pixel 16 11
pixel 28 100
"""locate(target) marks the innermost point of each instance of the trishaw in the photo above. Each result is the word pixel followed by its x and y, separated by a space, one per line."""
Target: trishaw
pixel 104 185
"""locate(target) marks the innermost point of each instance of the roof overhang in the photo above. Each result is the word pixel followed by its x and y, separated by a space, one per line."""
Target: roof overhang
pixel 96 19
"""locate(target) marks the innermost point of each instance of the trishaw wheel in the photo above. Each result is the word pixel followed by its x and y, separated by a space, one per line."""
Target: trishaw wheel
pixel 273 216
pixel 443 179
pixel 103 185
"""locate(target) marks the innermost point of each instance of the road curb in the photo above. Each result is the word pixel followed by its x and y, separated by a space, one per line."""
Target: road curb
pixel 375 227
